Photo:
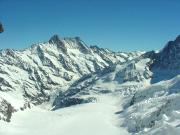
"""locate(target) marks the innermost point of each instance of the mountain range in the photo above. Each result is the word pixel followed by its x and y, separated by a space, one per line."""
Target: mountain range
pixel 64 75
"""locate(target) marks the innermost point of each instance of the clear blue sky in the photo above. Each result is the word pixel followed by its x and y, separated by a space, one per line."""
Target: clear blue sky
pixel 121 25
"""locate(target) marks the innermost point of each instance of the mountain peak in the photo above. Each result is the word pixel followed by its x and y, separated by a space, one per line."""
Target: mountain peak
pixel 172 44
pixel 168 57
pixel 55 38
pixel 177 40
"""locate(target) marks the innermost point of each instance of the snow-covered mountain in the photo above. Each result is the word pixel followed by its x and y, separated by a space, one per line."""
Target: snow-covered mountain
pixel 35 74
pixel 140 89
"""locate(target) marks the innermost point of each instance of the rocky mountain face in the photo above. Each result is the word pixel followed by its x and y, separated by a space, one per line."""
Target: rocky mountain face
pixel 65 71
pixel 157 107
pixel 165 64
pixel 153 106
pixel 168 57
pixel 6 110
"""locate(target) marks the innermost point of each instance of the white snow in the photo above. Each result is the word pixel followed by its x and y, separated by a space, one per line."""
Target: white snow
pixel 86 119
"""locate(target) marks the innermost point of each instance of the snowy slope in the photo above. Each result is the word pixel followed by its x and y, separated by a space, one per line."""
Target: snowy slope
pixel 156 106
pixel 125 78
pixel 155 109
pixel 87 119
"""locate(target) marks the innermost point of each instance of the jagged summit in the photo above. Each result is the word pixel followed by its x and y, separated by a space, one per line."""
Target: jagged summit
pixel 170 55
pixel 55 38
pixel 172 44
pixel 167 58
pixel 69 42
pixel 177 40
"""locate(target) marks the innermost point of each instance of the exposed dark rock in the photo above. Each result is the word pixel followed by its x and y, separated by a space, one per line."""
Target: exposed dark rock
pixel 168 57
pixel 6 109
pixel 66 102
pixel 1 28
pixel 59 43
pixel 3 82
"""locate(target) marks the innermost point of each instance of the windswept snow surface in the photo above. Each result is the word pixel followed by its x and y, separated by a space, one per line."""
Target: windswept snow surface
pixel 96 118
